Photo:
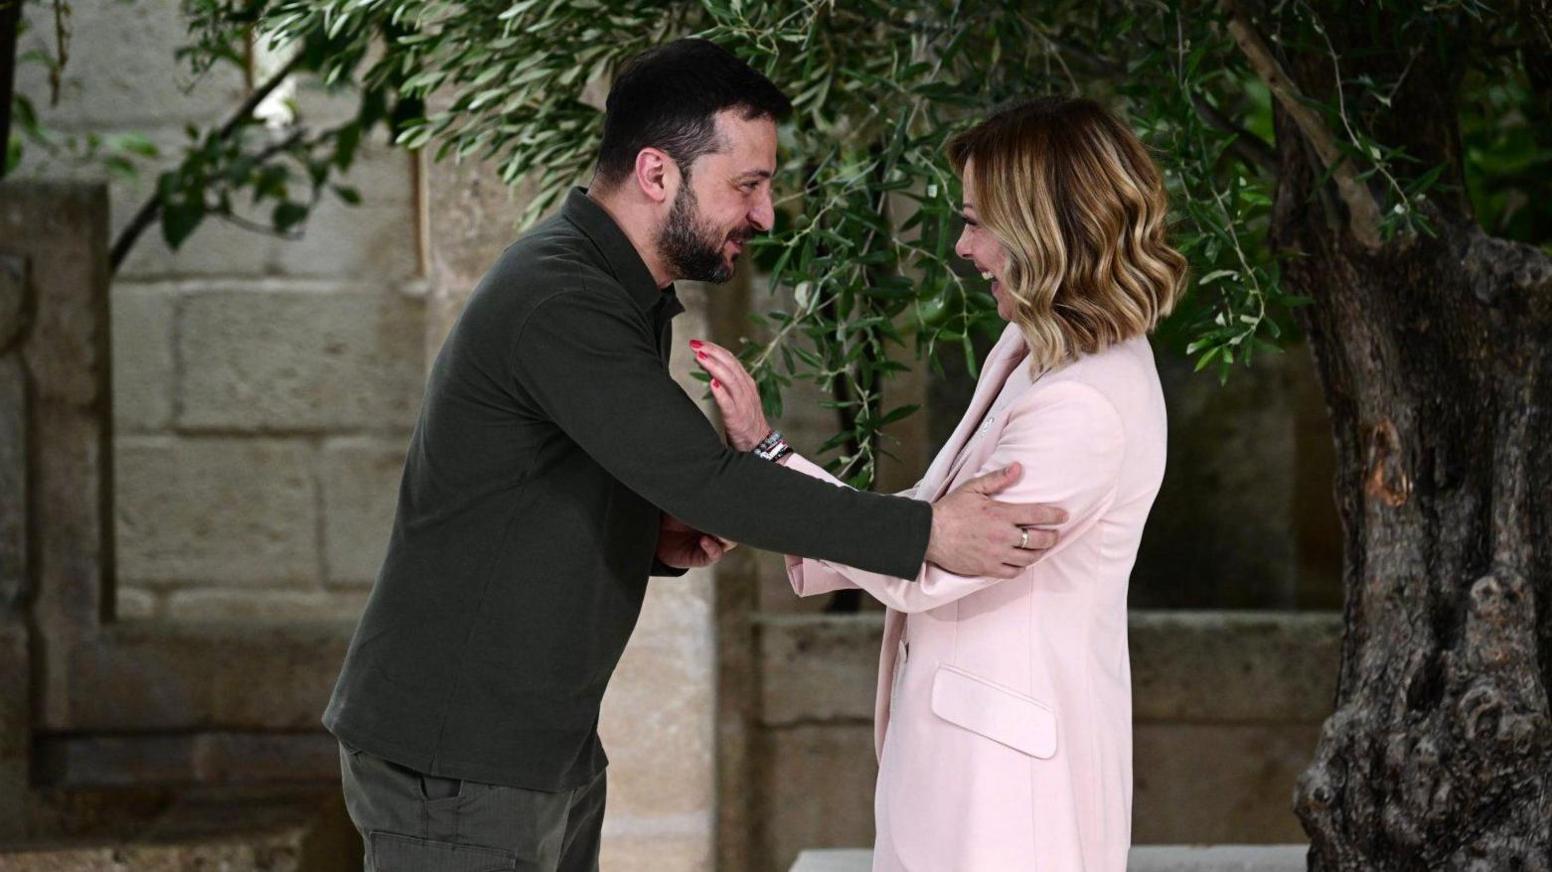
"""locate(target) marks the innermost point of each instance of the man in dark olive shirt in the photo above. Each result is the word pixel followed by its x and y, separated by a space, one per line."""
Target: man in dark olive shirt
pixel 556 465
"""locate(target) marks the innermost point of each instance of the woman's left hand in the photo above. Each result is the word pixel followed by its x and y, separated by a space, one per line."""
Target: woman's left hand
pixel 737 396
pixel 683 547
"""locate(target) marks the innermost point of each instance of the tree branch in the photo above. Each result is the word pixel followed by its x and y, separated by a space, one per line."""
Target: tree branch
pixel 1363 212
pixel 1251 148
pixel 151 210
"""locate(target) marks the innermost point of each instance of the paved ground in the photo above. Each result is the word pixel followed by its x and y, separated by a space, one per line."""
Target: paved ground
pixel 1144 858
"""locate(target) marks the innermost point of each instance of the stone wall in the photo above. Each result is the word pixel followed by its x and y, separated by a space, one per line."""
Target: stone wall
pixel 263 388
pixel 1245 518
pixel 264 391
pixel 1227 710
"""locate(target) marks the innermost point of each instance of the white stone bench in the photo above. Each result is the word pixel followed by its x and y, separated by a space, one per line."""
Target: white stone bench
pixel 1144 858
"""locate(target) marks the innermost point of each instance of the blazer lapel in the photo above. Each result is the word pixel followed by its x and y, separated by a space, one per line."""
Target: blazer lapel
pixel 888 662
pixel 1004 356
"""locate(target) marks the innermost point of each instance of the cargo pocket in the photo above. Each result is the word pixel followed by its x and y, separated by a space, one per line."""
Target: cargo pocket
pixel 392 852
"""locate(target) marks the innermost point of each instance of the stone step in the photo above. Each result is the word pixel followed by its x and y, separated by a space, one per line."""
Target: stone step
pixel 233 831
pixel 1143 858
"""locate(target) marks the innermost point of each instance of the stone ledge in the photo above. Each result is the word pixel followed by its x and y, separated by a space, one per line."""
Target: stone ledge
pixel 74 762
pixel 1197 666
pixel 1143 858
pixel 271 830
pixel 146 676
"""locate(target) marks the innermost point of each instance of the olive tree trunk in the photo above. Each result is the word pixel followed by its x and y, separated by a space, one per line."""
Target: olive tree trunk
pixel 1435 357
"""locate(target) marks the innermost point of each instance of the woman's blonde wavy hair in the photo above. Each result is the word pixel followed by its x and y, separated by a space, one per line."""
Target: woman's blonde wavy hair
pixel 1080 208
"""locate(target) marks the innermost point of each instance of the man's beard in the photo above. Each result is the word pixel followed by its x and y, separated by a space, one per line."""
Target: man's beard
pixel 690 250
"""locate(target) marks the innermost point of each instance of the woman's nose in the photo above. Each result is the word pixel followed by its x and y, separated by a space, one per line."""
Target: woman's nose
pixel 962 247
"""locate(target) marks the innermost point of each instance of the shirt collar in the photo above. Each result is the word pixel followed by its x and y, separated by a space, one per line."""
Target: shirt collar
pixel 619 254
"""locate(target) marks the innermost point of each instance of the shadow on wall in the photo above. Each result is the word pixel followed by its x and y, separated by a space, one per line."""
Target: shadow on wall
pixel 1246 518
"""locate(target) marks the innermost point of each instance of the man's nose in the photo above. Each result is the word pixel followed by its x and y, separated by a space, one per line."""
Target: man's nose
pixel 763 215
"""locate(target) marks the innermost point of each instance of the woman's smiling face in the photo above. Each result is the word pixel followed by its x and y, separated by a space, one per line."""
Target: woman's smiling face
pixel 977 245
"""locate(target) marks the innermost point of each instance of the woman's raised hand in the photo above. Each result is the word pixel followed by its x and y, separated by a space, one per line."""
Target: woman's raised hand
pixel 738 399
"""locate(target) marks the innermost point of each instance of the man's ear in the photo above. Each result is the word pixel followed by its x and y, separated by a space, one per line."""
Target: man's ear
pixel 656 175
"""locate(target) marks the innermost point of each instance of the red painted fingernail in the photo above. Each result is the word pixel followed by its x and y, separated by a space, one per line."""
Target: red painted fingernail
pixel 715 383
pixel 695 343
pixel 700 355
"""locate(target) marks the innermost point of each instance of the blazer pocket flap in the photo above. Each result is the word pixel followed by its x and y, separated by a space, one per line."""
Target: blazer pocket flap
pixel 998 713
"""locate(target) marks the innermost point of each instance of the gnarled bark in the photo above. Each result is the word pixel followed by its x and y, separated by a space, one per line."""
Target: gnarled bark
pixel 1435 354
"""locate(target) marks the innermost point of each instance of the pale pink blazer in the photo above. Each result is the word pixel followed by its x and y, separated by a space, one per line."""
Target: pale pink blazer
pixel 1003 721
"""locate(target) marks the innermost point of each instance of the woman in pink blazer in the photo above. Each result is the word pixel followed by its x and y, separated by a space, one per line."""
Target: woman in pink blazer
pixel 1003 716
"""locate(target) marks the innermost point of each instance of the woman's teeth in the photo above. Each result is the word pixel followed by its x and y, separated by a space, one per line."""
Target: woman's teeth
pixel 986 274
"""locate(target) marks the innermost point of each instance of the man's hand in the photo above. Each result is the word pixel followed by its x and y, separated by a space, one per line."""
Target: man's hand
pixel 681 547
pixel 973 534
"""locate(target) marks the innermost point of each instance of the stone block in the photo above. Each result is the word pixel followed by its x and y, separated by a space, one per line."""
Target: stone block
pixel 665 853
pixel 218 604
pixel 657 719
pixel 691 324
pixel 290 361
pixel 1217 783
pixel 471 216
pixel 1234 666
pixel 66 358
pixel 143 369
pixel 820 669
pixel 360 480
pixel 63 225
pixel 268 829
pixel 835 860
pixel 370 242
pixel 216 511
pixel 138 603
pixel 819 787
pixel 123 72
pixel 375 240
pixel 168 676
pixel 205 758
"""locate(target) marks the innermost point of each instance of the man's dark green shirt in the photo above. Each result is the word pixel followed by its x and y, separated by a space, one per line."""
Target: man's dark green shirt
pixel 550 441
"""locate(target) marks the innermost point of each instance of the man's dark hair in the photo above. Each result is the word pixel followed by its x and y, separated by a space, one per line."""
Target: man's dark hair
pixel 668 98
